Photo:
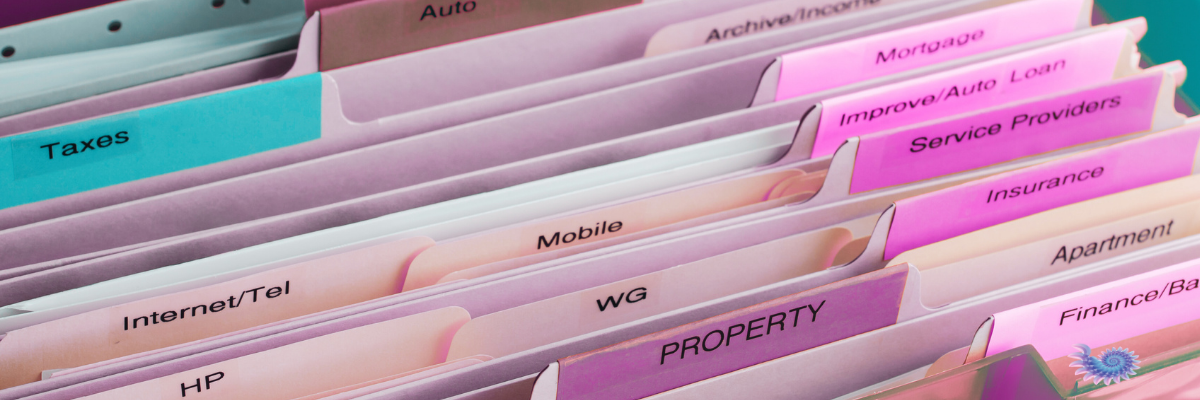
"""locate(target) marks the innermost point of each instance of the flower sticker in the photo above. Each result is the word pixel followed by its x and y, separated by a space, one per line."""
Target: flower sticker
pixel 1111 366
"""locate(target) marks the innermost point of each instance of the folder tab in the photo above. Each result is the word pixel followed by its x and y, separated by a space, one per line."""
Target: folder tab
pixel 1103 314
pixel 372 29
pixel 139 144
pixel 176 318
pixel 704 349
pixel 975 205
pixel 961 144
pixel 316 365
pixel 830 66
pixel 750 20
pixel 1068 65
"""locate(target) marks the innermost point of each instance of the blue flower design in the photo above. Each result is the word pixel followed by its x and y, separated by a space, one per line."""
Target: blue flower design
pixel 1111 367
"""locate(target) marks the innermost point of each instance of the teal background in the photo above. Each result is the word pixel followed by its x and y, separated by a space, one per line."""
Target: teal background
pixel 175 136
pixel 1172 35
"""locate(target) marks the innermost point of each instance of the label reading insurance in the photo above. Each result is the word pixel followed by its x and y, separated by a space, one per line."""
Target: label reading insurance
pixel 75 145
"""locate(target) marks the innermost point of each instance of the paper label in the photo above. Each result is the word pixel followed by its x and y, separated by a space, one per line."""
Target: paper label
pixel 830 66
pixel 711 347
pixel 370 30
pixel 312 366
pixel 158 140
pixel 971 206
pixel 1119 238
pixel 1102 314
pixel 751 20
pixel 1068 65
pixel 75 145
pixel 563 317
pixel 177 318
pixel 962 144
pixel 1096 242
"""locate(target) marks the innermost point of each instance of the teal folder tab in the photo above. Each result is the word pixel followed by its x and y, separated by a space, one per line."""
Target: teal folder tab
pixel 172 137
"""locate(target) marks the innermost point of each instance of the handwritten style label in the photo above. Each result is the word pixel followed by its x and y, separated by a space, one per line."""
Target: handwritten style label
pixel 704 349
pixel 905 156
pixel 971 206
pixel 1072 64
pixel 1102 314
pixel 830 66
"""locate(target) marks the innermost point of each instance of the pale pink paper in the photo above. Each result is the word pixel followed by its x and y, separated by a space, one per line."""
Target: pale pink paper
pixel 526 239
pixel 953 211
pixel 830 66
pixel 887 158
pixel 1039 323
pixel 1071 64
pixel 529 326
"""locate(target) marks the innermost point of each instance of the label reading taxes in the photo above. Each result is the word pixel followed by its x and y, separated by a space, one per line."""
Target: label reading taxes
pixel 904 156
pixel 714 346
pixel 1103 314
pixel 76 145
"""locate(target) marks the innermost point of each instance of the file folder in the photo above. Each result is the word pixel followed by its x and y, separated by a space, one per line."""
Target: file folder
pixel 129 44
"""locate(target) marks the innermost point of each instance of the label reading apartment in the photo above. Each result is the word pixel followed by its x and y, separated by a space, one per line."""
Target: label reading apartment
pixel 253 295
pixel 76 145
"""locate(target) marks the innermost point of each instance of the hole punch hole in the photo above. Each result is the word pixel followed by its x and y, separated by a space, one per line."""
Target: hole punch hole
pixel 114 26
pixel 8 51
pixel 218 3
pixel 246 2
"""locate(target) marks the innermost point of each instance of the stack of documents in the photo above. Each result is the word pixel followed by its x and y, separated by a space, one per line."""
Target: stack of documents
pixel 597 199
